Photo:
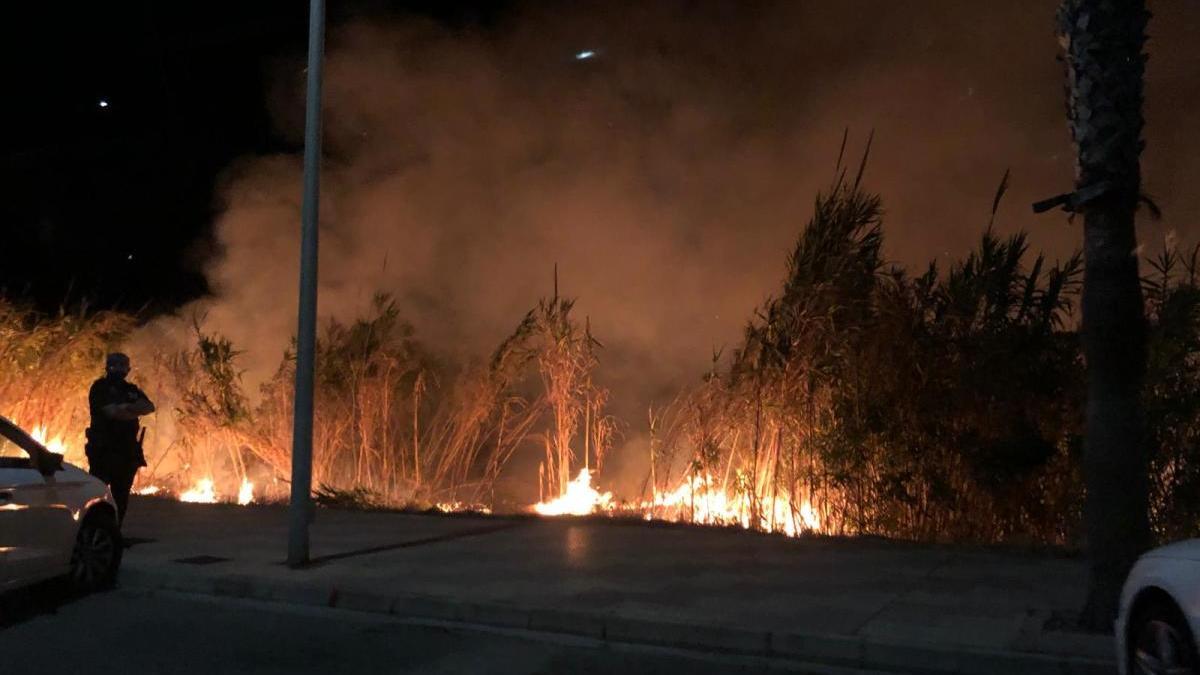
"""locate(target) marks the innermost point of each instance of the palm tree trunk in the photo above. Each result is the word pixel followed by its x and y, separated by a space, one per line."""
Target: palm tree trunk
pixel 1103 42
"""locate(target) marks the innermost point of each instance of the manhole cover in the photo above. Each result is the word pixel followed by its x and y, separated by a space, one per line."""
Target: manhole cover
pixel 201 560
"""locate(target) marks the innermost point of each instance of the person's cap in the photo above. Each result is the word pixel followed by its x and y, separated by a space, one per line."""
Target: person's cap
pixel 116 361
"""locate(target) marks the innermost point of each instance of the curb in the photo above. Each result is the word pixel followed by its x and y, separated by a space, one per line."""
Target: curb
pixel 834 650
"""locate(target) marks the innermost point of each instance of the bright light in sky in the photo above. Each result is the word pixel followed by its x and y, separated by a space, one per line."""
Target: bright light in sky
pixel 585 54
pixel 103 103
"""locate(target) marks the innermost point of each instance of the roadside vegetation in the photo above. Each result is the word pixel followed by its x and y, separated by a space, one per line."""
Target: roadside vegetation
pixel 394 424
pixel 945 406
pixel 864 398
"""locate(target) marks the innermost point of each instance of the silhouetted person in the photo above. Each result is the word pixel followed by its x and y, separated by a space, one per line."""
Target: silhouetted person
pixel 114 447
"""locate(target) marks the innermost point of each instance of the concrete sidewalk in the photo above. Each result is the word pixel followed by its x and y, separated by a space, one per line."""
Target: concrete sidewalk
pixel 859 603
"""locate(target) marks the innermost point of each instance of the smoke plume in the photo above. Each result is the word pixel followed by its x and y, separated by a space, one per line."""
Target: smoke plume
pixel 666 175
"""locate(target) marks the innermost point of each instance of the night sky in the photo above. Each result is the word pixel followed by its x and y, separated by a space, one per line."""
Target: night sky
pixel 469 153
pixel 121 117
pixel 465 145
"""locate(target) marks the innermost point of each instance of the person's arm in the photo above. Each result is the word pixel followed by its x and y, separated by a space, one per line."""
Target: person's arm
pixel 142 406
pixel 100 400
pixel 118 411
pixel 132 410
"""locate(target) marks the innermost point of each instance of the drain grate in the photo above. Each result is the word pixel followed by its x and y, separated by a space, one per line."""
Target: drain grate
pixel 201 560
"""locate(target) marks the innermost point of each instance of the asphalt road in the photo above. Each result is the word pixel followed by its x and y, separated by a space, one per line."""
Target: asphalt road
pixel 120 632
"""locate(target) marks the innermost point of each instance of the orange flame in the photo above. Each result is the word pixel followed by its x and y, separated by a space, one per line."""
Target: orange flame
pixel 246 492
pixel 706 503
pixel 698 500
pixel 580 499
pixel 204 492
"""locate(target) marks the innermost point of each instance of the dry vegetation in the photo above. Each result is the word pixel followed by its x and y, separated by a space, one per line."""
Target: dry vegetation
pixel 941 406
pixel 48 363
pixel 945 406
pixel 938 406
pixel 394 425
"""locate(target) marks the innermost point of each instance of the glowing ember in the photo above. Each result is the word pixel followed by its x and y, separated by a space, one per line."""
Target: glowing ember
pixel 246 492
pixel 461 507
pixel 580 500
pixel 204 492
pixel 148 490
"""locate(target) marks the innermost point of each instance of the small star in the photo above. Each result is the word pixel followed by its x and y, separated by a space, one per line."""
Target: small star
pixel 103 103
pixel 129 257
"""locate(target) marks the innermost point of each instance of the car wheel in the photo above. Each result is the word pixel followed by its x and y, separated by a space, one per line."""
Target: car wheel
pixel 1161 642
pixel 97 554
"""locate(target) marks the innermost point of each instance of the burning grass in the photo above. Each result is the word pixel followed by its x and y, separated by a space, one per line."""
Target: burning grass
pixel 392 421
pixel 579 499
pixel 861 400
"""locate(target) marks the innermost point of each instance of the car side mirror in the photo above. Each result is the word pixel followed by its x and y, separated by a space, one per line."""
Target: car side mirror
pixel 48 463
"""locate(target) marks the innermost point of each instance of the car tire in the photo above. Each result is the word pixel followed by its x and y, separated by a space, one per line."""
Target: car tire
pixel 1160 642
pixel 97 554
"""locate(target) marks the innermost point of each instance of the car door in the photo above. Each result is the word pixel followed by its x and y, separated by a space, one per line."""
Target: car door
pixel 14 534
pixel 8 522
pixel 37 527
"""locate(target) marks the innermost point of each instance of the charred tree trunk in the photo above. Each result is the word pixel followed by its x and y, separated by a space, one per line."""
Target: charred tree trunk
pixel 1102 42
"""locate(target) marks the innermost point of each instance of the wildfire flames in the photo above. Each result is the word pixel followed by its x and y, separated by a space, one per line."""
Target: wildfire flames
pixel 580 499
pixel 245 493
pixel 698 499
pixel 205 492
pixel 53 444
pixel 708 504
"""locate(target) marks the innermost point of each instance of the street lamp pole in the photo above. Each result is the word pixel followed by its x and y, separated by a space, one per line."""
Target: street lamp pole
pixel 300 511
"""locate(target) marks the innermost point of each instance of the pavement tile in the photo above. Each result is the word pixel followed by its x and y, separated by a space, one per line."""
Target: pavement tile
pixel 568 621
pixel 234 586
pixel 492 614
pixel 788 613
pixel 956 626
pixel 689 587
pixel 427 608
pixel 300 594
pixel 707 637
pixel 909 657
pixel 361 601
pixel 1001 663
pixel 835 649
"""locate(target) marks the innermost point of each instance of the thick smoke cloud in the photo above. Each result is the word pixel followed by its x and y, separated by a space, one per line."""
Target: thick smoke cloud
pixel 668 175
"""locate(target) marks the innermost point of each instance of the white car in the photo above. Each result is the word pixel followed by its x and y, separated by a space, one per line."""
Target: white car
pixel 55 519
pixel 1159 623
